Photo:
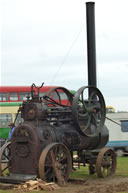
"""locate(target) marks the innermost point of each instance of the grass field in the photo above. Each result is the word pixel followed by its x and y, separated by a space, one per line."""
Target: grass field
pixel 122 170
pixel 122 166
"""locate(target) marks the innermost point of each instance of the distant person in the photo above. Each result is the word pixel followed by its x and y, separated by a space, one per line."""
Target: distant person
pixel 12 126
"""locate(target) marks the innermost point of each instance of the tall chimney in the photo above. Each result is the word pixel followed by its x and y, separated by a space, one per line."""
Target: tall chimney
pixel 91 48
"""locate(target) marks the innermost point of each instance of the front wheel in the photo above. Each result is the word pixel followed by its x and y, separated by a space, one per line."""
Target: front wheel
pixel 55 163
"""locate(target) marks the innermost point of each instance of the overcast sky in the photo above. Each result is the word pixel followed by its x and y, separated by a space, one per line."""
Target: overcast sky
pixel 45 41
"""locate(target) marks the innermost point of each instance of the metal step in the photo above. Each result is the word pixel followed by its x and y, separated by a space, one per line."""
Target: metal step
pixel 17 178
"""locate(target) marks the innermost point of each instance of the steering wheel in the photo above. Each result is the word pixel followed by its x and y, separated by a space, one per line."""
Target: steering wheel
pixel 89 110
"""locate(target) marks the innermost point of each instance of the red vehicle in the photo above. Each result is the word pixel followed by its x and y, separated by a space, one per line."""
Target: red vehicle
pixel 20 93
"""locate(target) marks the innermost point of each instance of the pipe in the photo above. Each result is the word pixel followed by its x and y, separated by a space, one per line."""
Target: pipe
pixel 91 47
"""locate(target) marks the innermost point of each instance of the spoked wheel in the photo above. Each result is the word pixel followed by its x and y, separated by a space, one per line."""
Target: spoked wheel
pixel 5 162
pixel 55 163
pixel 88 110
pixel 106 163
pixel 59 96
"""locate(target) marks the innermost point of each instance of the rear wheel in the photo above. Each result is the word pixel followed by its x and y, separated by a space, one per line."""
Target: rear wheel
pixel 106 163
pixel 5 161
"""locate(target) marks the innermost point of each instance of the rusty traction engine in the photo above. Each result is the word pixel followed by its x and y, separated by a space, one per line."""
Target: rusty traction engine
pixel 43 145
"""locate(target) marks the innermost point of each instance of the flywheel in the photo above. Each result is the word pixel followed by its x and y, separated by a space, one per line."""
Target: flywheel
pixel 88 110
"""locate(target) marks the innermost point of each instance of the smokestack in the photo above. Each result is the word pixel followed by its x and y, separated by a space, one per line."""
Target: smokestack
pixel 91 48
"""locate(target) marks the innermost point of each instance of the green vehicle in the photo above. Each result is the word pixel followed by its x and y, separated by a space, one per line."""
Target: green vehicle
pixel 8 112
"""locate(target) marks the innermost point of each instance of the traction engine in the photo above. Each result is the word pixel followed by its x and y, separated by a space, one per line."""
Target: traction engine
pixel 43 145
pixel 59 125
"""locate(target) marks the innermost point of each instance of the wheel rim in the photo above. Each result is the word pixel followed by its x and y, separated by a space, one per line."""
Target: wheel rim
pixel 106 163
pixel 5 159
pixel 55 163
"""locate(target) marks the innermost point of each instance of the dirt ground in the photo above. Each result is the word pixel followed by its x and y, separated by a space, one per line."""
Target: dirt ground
pixel 108 185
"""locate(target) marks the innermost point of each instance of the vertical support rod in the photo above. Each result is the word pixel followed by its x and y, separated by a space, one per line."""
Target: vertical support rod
pixel 91 47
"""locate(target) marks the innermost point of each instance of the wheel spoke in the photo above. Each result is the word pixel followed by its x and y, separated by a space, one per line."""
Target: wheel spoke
pixel 56 91
pixel 62 159
pixel 5 162
pixel 47 170
pixel 91 97
pixel 56 150
pixel 95 120
pixel 6 155
pixel 88 123
pixel 83 101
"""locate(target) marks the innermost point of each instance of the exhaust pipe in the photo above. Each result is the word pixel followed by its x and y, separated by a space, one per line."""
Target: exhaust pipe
pixel 91 47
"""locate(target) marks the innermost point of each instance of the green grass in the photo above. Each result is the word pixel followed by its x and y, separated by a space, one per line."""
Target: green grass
pixel 122 166
pixel 83 172
pixel 121 170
